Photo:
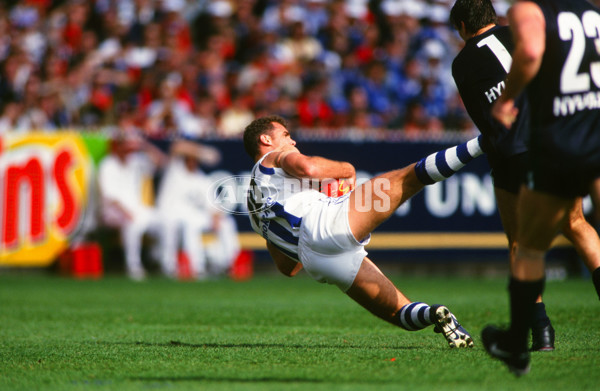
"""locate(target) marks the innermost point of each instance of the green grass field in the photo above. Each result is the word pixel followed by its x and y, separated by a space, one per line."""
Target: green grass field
pixel 271 333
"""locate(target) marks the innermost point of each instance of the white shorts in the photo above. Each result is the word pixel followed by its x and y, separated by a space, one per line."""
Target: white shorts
pixel 327 248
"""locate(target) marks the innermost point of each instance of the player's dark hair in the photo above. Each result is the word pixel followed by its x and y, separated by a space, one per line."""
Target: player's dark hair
pixel 257 128
pixel 475 14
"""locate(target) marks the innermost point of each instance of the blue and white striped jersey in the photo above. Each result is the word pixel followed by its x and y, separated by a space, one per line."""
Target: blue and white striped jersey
pixel 277 202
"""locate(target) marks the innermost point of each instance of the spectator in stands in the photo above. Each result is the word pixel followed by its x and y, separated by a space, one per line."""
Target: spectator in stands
pixel 202 121
pixel 167 114
pixel 381 91
pixel 100 100
pixel 35 116
pixel 418 123
pixel 234 118
pixel 313 108
pixel 318 16
pixel 370 48
pixel 299 46
pixel 285 106
pixel 359 113
pixel 257 70
pixel 279 16
pixel 9 119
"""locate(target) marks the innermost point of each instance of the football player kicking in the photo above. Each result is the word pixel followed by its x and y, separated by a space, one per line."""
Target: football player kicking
pixel 306 229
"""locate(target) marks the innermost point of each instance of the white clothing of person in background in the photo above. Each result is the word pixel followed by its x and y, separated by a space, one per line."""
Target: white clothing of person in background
pixel 125 182
pixel 186 214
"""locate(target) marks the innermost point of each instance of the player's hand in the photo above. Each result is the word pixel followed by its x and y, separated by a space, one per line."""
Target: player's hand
pixel 337 187
pixel 505 112
pixel 288 148
pixel 350 183
pixel 282 152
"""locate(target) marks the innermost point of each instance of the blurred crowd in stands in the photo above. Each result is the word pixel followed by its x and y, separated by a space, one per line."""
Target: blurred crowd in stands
pixel 205 68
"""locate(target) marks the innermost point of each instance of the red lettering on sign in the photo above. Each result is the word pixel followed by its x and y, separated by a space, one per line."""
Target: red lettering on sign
pixel 33 174
pixel 68 215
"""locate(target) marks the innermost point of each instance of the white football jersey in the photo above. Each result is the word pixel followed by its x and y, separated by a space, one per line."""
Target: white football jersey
pixel 277 202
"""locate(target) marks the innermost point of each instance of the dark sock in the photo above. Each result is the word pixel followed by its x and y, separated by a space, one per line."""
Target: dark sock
pixel 540 318
pixel 596 280
pixel 523 295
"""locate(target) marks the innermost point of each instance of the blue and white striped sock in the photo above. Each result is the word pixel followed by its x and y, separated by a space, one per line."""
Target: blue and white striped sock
pixel 443 164
pixel 414 316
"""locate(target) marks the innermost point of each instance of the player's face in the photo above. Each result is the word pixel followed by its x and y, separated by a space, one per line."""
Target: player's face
pixel 280 136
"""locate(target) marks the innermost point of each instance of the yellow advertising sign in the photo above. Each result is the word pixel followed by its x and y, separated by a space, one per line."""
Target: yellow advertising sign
pixel 45 180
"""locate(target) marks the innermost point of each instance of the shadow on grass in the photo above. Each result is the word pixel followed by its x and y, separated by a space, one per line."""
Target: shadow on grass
pixel 227 379
pixel 172 344
pixel 259 379
pixel 264 379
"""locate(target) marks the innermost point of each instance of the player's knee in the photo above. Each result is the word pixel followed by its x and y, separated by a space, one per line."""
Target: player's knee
pixel 525 253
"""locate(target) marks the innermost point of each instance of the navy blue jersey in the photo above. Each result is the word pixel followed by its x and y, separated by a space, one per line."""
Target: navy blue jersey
pixel 565 94
pixel 479 71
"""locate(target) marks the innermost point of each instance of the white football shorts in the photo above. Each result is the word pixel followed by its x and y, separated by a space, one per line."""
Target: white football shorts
pixel 327 248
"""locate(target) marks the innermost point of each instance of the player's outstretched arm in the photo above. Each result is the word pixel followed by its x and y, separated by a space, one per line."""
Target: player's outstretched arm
pixel 314 167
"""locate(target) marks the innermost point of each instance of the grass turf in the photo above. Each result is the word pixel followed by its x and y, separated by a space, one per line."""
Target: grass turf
pixel 271 333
